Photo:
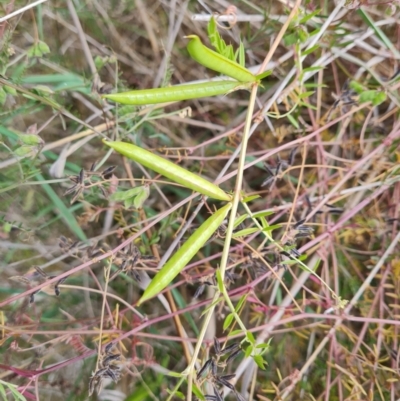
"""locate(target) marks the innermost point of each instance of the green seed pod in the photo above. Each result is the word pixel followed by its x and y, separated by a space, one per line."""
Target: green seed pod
pixel 216 62
pixel 170 170
pixel 176 93
pixel 184 254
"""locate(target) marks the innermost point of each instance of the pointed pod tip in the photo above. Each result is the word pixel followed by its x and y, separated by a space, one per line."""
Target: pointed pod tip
pixel 111 96
pixel 141 300
pixel 191 37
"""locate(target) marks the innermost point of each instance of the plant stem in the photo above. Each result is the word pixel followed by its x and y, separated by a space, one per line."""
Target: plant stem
pixel 228 237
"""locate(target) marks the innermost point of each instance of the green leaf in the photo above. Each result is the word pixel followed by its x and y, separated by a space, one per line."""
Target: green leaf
pixel 312 69
pixel 258 359
pixel 304 95
pixel 290 39
pixel 309 16
pixel 141 197
pixel 132 197
pixel 51 83
pixel 263 221
pixel 3 96
pixel 128 203
pixel 303 34
pixel 356 86
pixel 240 220
pixel 178 394
pixel 229 53
pixel 42 90
pixel 373 96
pixel 293 121
pixel 228 321
pixel 185 253
pixel 197 392
pixel 218 43
pixel 245 232
pixel 213 34
pixel 43 47
pixel 10 90
pixel 315 32
pixel 30 139
pixel 38 49
pixel 3 392
pixel 100 62
pixel 379 98
pixel 119 196
pixel 170 170
pixel 273 227
pixel 17 395
pixel 250 337
pixel 7 227
pixel 263 75
pixel 234 332
pixel 248 199
pixel 314 86
pixel 24 151
pixel 310 50
pixel 240 303
pixel 263 345
pixel 242 55
pixel 248 351
pixel 62 210
pixel 263 214
pixel 378 31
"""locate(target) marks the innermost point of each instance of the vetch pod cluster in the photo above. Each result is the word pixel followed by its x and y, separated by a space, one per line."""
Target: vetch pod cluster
pixel 169 170
pixel 185 253
pixel 204 56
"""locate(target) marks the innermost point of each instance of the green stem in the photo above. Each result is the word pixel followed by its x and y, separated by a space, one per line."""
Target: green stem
pixel 176 388
pixel 238 187
pixel 228 237
pixel 232 309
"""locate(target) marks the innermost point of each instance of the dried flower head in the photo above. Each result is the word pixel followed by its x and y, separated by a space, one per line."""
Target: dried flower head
pixel 108 368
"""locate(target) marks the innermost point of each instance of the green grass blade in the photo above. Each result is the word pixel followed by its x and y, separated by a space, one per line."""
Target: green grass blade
pixel 67 216
pixel 378 31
